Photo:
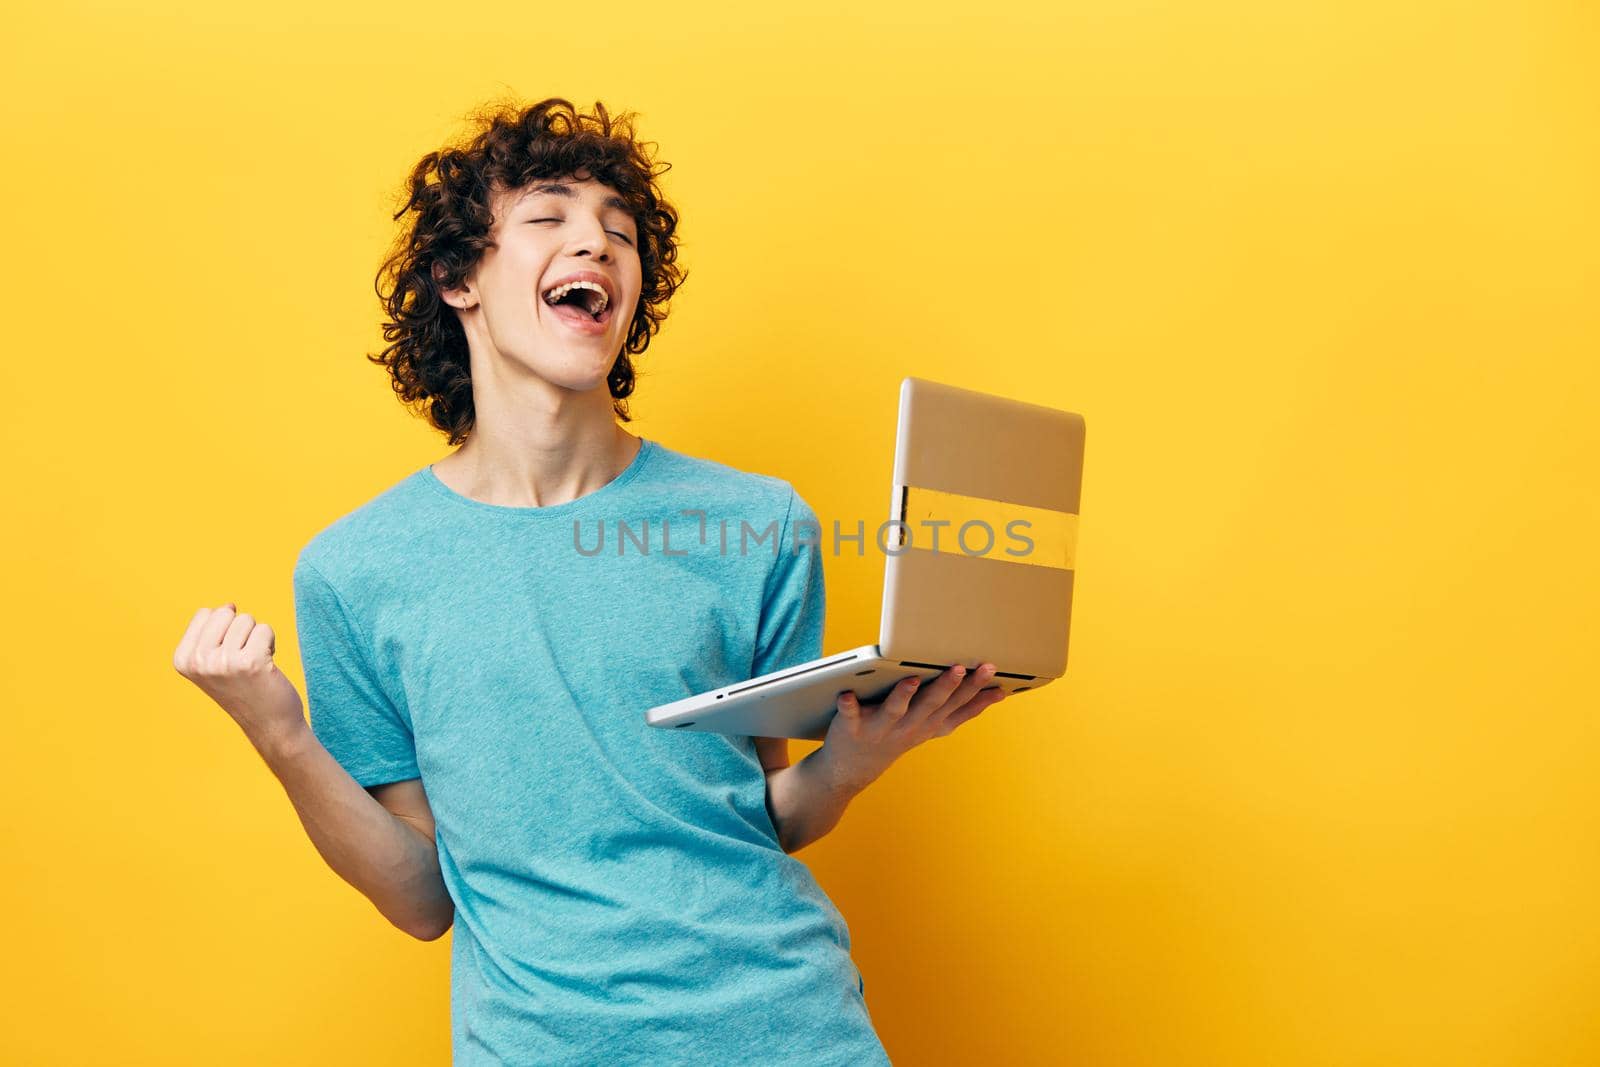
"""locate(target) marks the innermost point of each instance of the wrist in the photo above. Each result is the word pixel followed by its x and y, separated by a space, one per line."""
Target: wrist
pixel 282 741
pixel 843 776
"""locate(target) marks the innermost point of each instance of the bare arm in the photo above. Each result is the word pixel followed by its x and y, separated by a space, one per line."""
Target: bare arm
pixel 381 842
pixel 808 799
pixel 805 801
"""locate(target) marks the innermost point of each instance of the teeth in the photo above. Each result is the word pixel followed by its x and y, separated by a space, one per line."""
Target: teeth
pixel 555 295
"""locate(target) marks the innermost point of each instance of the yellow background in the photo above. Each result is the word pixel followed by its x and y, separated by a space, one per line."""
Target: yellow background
pixel 1320 786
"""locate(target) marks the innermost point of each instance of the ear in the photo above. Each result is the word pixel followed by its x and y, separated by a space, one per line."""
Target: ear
pixel 462 298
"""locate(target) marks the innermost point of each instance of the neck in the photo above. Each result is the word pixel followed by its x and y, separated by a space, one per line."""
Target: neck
pixel 550 448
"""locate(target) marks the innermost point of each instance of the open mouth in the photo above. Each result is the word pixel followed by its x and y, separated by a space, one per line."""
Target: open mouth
pixel 580 319
pixel 580 303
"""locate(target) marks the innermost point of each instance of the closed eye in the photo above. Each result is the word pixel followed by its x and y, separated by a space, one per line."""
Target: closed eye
pixel 624 236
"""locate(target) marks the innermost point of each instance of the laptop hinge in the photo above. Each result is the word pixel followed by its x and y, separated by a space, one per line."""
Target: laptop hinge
pixel 947 666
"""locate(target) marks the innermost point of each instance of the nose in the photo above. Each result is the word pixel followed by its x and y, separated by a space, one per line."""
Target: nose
pixel 592 240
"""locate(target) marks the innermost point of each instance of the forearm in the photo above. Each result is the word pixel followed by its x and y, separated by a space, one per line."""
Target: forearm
pixel 806 801
pixel 382 856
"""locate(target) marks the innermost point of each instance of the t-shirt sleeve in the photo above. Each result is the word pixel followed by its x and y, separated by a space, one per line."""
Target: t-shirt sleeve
pixel 794 603
pixel 351 713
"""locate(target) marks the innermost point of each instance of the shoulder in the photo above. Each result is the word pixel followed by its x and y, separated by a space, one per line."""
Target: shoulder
pixel 779 523
pixel 342 549
pixel 717 487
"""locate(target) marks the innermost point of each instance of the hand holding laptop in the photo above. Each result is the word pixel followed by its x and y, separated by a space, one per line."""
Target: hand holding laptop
pixel 864 739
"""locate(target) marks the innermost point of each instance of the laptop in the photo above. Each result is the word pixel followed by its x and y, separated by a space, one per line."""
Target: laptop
pixel 978 554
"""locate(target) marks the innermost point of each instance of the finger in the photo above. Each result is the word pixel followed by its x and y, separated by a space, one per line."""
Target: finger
pixel 971 710
pixel 899 699
pixel 186 642
pixel 974 682
pixel 847 704
pixel 238 630
pixel 933 696
pixel 216 626
pixel 261 640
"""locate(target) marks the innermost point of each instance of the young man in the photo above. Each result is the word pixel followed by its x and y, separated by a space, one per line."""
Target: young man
pixel 478 673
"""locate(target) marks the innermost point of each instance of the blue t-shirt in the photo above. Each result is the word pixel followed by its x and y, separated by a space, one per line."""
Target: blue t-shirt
pixel 620 892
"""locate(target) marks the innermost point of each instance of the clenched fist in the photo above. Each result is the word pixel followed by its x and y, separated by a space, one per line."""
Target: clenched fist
pixel 229 656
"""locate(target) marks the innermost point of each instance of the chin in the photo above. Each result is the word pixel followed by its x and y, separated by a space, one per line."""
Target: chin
pixel 577 379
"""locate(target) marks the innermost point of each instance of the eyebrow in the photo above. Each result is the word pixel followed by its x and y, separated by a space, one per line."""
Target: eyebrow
pixel 558 189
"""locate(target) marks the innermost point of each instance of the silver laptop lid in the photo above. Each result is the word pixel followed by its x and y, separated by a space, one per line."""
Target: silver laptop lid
pixel 980 567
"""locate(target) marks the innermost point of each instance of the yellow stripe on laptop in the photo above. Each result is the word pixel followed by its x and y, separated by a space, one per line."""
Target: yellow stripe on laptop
pixel 988 529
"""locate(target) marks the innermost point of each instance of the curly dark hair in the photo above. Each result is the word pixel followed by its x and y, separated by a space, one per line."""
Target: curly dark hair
pixel 451 193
